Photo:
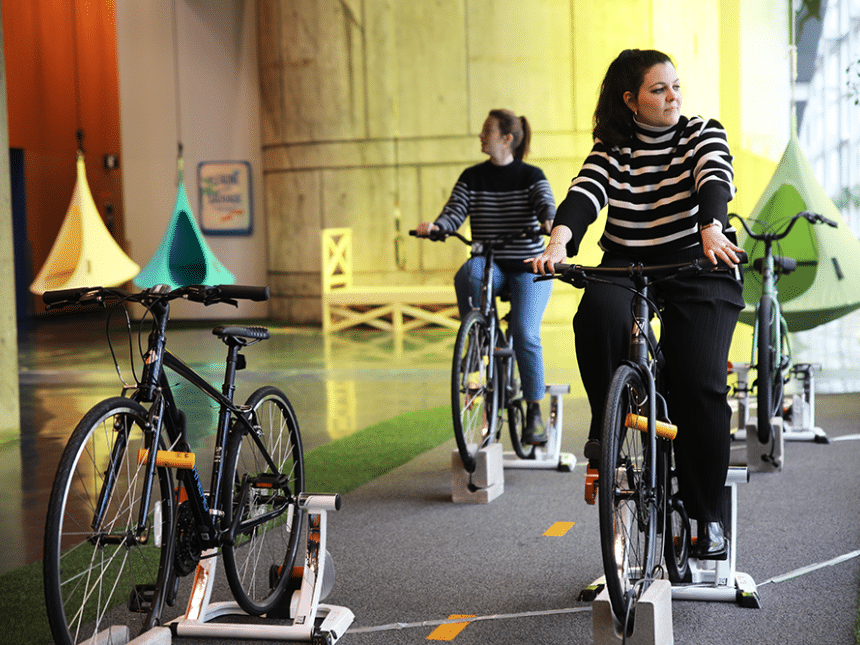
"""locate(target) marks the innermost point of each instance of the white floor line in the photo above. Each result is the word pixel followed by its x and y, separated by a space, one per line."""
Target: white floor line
pixel 813 567
pixel 848 437
pixel 436 623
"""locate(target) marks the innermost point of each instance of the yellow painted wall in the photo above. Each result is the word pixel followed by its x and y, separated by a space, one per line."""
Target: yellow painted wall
pixel 372 109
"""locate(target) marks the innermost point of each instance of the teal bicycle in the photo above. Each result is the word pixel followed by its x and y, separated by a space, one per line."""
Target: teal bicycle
pixel 771 348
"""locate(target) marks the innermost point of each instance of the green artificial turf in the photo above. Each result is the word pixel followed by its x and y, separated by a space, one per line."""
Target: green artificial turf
pixel 337 467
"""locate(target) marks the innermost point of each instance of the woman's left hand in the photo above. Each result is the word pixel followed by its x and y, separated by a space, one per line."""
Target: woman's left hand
pixel 718 247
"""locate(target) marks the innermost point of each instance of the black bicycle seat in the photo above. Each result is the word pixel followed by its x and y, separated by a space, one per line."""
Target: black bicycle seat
pixel 784 265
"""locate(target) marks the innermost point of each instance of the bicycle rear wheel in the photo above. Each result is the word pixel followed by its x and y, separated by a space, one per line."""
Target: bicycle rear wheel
pixel 626 508
pixel 474 391
pixel 100 570
pixel 516 408
pixel 260 562
pixel 769 379
pixel 676 539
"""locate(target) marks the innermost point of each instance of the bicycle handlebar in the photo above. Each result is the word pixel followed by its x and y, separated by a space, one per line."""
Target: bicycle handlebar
pixel 578 275
pixel 208 295
pixel 812 218
pixel 440 235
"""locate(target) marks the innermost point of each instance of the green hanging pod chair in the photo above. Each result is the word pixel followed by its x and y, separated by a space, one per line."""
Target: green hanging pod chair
pixel 826 284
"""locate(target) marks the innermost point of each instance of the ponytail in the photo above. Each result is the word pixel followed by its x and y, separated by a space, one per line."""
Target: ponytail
pixel 518 127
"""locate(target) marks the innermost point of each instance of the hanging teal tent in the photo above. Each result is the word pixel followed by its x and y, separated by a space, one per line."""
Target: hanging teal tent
pixel 826 284
pixel 183 257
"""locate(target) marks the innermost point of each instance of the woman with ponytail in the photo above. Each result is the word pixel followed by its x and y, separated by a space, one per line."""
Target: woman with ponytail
pixel 504 195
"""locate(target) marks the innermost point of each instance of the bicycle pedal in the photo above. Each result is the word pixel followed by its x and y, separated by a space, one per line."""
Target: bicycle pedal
pixel 591 479
pixel 663 429
pixel 140 599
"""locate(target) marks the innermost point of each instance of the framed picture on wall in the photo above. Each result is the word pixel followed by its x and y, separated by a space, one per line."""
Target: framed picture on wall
pixel 226 202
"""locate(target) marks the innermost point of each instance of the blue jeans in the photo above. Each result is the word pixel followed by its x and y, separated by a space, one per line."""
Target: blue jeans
pixel 528 303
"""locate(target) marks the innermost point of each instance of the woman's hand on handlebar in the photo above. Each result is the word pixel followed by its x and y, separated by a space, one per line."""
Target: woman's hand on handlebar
pixel 425 228
pixel 718 247
pixel 554 253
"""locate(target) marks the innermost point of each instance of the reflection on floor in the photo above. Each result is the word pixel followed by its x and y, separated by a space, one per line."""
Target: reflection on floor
pixel 338 384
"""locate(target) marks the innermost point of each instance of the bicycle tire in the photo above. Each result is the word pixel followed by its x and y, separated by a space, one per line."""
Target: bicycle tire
pixel 259 563
pixel 677 536
pixel 516 409
pixel 627 513
pixel 766 386
pixel 92 574
pixel 474 391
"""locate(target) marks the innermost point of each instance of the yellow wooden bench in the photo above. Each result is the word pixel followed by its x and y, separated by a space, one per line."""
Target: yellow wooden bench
pixel 390 308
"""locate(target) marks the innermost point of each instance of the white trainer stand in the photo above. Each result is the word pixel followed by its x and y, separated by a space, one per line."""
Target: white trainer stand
pixel 304 607
pixel 799 423
pixel 548 455
pixel 653 622
pixel 719 580
pixel 766 457
pixel 485 484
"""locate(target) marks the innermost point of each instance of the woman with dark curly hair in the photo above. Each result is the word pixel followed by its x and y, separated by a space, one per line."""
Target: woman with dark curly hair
pixel 667 180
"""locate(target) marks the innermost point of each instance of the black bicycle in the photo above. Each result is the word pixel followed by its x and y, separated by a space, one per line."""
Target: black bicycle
pixel 128 515
pixel 771 347
pixel 637 485
pixel 485 379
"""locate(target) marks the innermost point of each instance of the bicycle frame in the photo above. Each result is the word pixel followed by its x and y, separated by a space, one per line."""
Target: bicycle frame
pixel 155 388
pixel 488 304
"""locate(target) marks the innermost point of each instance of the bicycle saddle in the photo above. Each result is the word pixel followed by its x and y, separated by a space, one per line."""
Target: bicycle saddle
pixel 246 333
pixel 783 264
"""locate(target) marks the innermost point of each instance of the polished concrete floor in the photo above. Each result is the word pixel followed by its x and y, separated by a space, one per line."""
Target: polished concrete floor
pixel 338 384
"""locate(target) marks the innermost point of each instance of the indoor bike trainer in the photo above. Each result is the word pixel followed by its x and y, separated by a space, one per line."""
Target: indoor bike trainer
pixel 548 455
pixel 312 621
pixel 719 580
pixel 709 581
pixel 798 423
pixel 487 482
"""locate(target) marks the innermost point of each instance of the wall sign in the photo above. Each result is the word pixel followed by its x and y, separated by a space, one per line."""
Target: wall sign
pixel 226 204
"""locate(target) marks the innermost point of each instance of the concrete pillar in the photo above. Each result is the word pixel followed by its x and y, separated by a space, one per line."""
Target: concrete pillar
pixel 372 108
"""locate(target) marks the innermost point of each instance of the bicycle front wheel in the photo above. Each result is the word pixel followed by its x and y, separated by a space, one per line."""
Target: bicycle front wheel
pixel 769 379
pixel 101 563
pixel 260 562
pixel 474 391
pixel 627 510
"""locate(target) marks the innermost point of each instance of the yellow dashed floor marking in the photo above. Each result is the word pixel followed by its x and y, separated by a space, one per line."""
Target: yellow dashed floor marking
pixel 449 631
pixel 558 529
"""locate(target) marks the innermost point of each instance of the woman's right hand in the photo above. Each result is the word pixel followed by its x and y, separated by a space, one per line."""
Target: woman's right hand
pixel 554 252
pixel 425 228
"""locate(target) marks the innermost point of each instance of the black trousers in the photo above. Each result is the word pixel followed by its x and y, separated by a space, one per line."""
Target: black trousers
pixel 699 317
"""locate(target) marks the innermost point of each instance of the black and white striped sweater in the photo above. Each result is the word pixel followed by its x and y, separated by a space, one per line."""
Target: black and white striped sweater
pixel 660 187
pixel 500 200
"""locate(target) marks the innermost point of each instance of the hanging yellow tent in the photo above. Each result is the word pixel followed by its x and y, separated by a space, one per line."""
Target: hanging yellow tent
pixel 84 253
